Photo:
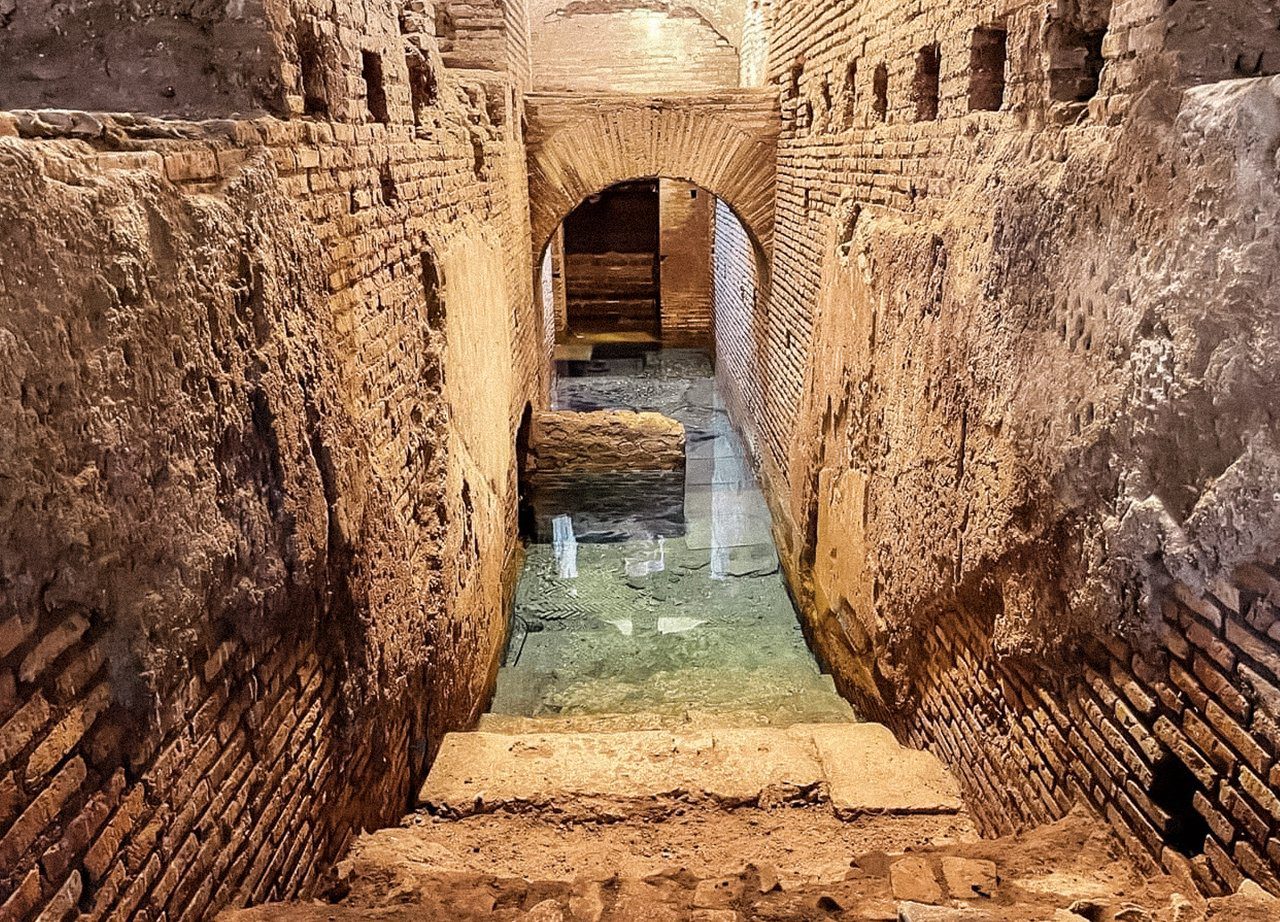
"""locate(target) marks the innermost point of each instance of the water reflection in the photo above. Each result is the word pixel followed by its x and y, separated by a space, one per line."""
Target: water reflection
pixel 657 597
pixel 564 547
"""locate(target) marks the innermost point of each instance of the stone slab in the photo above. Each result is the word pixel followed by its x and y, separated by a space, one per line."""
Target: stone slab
pixel 611 773
pixel 858 768
pixel 718 517
pixel 869 772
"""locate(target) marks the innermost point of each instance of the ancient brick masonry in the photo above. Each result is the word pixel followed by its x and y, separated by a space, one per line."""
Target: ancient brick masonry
pixel 605 441
pixel 621 46
pixel 250 576
pixel 1030 514
pixel 739 311
pixel 686 217
pixel 994 296
pixel 723 142
pixel 1115 732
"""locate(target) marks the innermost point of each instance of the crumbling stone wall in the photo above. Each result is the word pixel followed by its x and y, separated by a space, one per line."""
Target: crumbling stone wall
pixel 605 441
pixel 263 379
pixel 1015 423
pixel 486 35
pixel 180 57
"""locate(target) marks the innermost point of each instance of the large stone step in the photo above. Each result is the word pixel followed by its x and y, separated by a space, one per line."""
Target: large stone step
pixel 854 769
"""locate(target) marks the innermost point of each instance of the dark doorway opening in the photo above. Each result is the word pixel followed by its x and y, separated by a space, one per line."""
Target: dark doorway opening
pixel 1173 790
pixel 611 246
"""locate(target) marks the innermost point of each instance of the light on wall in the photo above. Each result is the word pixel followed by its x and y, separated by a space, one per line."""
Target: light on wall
pixel 655 27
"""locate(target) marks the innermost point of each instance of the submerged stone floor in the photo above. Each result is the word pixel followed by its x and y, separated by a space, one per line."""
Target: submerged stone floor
pixel 655 599
pixel 663 747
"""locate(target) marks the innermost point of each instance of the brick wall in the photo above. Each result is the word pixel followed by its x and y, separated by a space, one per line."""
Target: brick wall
pixel 636 50
pixel 822 60
pixel 741 361
pixel 192 61
pixel 722 141
pixel 245 785
pixel 957 405
pixel 684 222
pixel 1117 728
pixel 484 35
pixel 282 574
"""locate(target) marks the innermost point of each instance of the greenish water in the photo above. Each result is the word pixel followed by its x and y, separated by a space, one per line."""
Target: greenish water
pixel 656 599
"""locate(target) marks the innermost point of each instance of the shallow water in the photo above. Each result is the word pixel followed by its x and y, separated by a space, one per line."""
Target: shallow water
pixel 657 598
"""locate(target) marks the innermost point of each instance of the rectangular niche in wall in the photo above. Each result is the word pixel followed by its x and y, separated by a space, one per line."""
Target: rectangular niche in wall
pixel 880 92
pixel 375 87
pixel 423 91
pixel 849 92
pixel 315 94
pixel 988 56
pixel 432 284
pixel 1075 61
pixel 924 88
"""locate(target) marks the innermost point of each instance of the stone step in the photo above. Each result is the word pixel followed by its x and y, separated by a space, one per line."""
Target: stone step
pixel 854 769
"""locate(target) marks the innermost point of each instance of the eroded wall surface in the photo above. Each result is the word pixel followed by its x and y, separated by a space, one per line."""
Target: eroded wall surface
pixel 180 57
pixel 1011 392
pixel 261 381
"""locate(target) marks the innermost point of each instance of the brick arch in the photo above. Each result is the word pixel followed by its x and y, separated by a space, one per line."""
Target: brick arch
pixel 725 143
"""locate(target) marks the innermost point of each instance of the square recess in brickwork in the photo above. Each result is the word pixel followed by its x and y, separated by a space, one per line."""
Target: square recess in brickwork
pixel 924 88
pixel 988 59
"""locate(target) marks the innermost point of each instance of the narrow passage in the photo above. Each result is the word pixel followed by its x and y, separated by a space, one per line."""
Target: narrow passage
pixel 653 599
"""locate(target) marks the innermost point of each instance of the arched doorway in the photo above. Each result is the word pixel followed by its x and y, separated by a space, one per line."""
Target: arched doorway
pixel 650 264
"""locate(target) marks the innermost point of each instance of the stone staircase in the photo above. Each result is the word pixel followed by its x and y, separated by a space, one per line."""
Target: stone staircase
pixel 807 822
pixel 567 818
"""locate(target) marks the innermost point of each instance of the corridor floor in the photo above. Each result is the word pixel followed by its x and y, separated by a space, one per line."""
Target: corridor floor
pixel 655 599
